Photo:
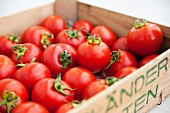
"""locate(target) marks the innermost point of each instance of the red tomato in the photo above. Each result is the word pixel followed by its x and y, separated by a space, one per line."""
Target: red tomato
pixel 25 53
pixel 94 88
pixel 52 93
pixel 119 60
pixel 11 92
pixel 7 67
pixel 64 108
pixel 39 36
pixel 84 25
pixel 30 107
pixel 78 78
pixel 145 38
pixel 106 34
pixel 59 58
pixel 147 59
pixel 93 55
pixel 6 43
pixel 125 71
pixel 31 73
pixel 72 37
pixel 120 43
pixel 54 23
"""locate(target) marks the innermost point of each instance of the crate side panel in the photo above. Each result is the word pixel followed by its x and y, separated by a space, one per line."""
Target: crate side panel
pixel 19 22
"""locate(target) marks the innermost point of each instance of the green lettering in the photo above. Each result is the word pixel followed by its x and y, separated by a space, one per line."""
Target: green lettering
pixel 137 86
pixel 127 108
pixel 151 93
pixel 149 74
pixel 138 102
pixel 111 103
pixel 123 91
pixel 162 65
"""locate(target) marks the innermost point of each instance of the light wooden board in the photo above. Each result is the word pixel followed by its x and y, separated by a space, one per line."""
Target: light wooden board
pixel 17 23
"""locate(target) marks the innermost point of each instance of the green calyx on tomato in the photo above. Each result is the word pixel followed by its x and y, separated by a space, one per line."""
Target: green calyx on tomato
pixel 10 99
pixel 76 103
pixel 65 59
pixel 111 80
pixel 96 39
pixel 45 40
pixel 23 65
pixel 71 33
pixel 19 50
pixel 14 38
pixel 114 57
pixel 139 23
pixel 59 87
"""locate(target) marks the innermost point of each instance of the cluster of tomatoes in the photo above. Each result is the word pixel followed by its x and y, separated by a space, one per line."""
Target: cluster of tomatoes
pixel 52 67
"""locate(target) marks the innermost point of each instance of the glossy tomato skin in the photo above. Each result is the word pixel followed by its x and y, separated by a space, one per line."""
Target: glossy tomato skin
pixel 93 57
pixel 34 35
pixel 30 74
pixel 78 78
pixel 94 88
pixel 64 108
pixel 125 71
pixel 51 58
pixel 63 37
pixel 146 40
pixel 84 25
pixel 45 94
pixel 7 67
pixel 125 59
pixel 106 34
pixel 32 51
pixel 30 107
pixel 15 86
pixel 54 23
pixel 147 59
pixel 120 43
pixel 6 46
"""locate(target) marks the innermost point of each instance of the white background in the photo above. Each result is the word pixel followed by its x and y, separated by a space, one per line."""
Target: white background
pixel 153 10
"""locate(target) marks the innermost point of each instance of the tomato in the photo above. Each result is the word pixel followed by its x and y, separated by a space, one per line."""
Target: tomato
pixel 7 67
pixel 93 55
pixel 119 60
pixel 147 59
pixel 106 34
pixel 6 43
pixel 39 36
pixel 94 88
pixel 31 73
pixel 120 43
pixel 59 58
pixel 144 38
pixel 78 78
pixel 12 93
pixel 24 53
pixel 30 107
pixel 52 93
pixel 64 108
pixel 72 37
pixel 54 23
pixel 84 25
pixel 125 71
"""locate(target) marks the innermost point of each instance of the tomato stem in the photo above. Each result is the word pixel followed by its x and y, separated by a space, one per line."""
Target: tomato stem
pixel 14 38
pixel 71 33
pixel 94 39
pixel 111 80
pixel 10 99
pixel 114 57
pixel 139 23
pixel 59 87
pixel 65 58
pixel 45 39
pixel 19 50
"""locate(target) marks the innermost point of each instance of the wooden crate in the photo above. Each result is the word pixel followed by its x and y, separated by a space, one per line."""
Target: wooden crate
pixel 137 93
